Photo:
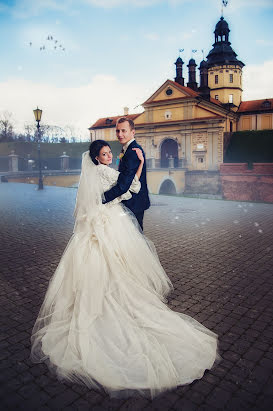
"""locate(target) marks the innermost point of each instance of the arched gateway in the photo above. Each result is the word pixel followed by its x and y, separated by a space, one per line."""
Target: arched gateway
pixel 167 187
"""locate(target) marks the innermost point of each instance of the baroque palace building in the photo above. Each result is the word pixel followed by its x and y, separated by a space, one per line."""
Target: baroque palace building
pixel 185 128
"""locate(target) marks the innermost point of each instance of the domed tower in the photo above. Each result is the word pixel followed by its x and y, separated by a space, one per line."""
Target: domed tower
pixel 192 75
pixel 224 69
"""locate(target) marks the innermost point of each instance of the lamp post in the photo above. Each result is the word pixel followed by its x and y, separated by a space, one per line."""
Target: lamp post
pixel 38 116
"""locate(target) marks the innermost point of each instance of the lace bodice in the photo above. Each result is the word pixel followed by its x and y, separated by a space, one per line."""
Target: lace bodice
pixel 109 177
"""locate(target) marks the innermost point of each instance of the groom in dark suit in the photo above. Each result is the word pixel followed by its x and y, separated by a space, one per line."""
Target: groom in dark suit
pixel 128 165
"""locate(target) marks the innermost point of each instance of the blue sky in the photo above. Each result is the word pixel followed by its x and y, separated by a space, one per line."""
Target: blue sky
pixel 117 52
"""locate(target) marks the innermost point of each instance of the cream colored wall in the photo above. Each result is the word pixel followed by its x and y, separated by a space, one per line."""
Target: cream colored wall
pixel 107 134
pixel 223 76
pixel 176 113
pixel 223 73
pixel 223 95
pixel 156 177
pixel 255 122
pixel 59 181
pixel 199 112
pixel 266 121
pixel 141 118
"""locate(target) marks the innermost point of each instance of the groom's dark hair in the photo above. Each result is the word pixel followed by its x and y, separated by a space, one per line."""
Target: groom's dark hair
pixel 94 149
pixel 122 119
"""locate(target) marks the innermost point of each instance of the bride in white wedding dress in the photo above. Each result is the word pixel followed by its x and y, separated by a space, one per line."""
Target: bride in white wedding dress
pixel 104 321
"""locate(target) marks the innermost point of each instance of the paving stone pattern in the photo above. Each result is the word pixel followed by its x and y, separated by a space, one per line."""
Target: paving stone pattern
pixel 218 254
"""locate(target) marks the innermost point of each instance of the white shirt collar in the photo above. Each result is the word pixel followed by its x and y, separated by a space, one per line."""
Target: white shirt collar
pixel 127 145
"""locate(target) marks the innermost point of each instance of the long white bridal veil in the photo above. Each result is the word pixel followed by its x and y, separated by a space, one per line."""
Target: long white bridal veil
pixel 90 192
pixel 71 276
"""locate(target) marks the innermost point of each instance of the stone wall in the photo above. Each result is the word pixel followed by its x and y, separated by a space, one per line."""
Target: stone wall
pixel 202 182
pixel 240 182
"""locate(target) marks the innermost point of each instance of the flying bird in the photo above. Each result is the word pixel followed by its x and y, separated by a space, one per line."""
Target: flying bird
pixel 54 46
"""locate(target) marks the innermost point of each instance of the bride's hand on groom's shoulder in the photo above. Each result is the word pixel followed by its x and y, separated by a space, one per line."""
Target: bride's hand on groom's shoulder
pixel 139 154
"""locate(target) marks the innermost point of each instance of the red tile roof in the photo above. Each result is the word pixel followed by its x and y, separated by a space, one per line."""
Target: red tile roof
pixel 110 121
pixel 215 101
pixel 187 90
pixel 256 105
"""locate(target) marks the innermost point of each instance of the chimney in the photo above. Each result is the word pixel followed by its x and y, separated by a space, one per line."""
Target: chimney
pixel 179 71
pixel 126 111
pixel 204 89
pixel 192 75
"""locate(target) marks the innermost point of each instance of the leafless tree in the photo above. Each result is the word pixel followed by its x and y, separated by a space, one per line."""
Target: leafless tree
pixel 6 126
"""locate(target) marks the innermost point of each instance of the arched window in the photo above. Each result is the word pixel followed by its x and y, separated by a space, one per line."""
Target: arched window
pixel 169 148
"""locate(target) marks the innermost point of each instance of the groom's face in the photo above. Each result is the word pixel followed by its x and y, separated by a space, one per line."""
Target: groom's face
pixel 124 132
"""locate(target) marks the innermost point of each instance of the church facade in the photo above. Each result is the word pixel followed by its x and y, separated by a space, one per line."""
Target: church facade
pixel 185 128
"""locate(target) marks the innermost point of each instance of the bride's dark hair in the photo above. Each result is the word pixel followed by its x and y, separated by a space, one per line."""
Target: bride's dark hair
pixel 94 149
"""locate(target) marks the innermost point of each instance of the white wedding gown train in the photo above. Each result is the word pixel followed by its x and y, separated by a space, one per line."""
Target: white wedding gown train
pixel 104 321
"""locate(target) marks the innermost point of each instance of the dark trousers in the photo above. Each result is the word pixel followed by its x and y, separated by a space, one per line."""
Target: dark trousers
pixel 139 217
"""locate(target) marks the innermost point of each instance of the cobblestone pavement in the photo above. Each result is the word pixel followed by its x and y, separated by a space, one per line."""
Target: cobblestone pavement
pixel 219 257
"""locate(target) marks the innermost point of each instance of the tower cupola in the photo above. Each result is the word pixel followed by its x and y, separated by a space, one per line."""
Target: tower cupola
pixel 224 69
pixel 179 71
pixel 222 52
pixel 221 31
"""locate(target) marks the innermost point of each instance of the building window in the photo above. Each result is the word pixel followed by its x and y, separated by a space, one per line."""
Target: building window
pixel 231 78
pixel 230 126
pixel 216 79
pixel 246 123
pixel 266 122
pixel 200 160
pixel 216 97
pixel 230 98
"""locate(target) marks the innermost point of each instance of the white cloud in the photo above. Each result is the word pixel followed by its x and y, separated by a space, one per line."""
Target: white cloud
pixel 233 5
pixel 28 8
pixel 264 43
pixel 151 36
pixel 77 106
pixel 258 81
pixel 23 9
pixel 119 3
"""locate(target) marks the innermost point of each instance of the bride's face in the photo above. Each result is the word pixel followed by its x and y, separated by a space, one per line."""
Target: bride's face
pixel 105 156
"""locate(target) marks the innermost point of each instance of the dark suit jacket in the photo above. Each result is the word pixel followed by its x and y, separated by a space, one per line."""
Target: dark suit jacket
pixel 128 166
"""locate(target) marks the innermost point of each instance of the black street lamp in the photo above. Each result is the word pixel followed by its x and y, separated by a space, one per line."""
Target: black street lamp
pixel 38 116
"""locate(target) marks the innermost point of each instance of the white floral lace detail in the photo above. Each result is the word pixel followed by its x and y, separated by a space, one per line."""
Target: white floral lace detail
pixel 109 177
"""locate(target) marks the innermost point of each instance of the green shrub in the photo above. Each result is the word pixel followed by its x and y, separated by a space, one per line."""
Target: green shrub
pixel 250 146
